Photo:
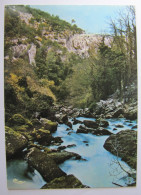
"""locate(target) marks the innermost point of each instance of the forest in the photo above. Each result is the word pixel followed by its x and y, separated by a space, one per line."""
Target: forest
pixel 49 82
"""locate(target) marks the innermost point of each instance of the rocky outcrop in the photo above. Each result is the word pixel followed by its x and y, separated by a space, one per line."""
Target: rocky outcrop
pixel 68 181
pixel 32 54
pixel 26 17
pixel 15 142
pixel 124 145
pixel 45 165
pixel 19 50
pixel 80 43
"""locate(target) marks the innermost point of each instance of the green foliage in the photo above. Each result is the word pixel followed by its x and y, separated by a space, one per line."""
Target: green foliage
pixel 18 120
pixel 111 68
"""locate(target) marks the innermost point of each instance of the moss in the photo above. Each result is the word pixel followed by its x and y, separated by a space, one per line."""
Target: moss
pixel 44 131
pixel 51 126
pixel 19 120
pixel 21 128
pixel 68 181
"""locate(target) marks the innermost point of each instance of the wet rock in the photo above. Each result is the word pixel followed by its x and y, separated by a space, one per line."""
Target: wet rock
pixel 114 129
pixel 85 141
pixel 15 142
pixel 104 123
pixel 123 144
pixel 69 181
pixel 57 140
pixel 61 148
pixel 135 127
pixel 64 119
pixel 75 121
pixel 101 131
pixel 44 164
pixel 82 130
pixel 91 124
pixel 69 124
pixel 70 132
pixel 60 157
pixel 49 125
pixel 68 129
pixel 71 145
pixel 119 126
pixel 44 137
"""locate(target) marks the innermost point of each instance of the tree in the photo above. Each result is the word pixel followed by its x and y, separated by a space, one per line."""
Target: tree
pixel 124 34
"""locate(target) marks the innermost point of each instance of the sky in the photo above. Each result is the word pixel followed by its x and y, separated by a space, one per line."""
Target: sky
pixel 94 19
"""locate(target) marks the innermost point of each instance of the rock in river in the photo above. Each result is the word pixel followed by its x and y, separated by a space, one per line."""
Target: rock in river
pixel 68 181
pixel 15 142
pixel 44 164
pixel 49 125
pixel 60 157
pixel 91 124
pixel 124 145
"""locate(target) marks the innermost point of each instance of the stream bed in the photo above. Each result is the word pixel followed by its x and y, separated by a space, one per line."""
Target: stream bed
pixel 99 168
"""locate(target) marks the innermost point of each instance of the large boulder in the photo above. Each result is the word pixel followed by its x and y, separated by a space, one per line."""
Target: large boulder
pixel 101 131
pixel 91 124
pixel 45 165
pixel 118 112
pixel 15 142
pixel 18 120
pixel 124 145
pixel 43 136
pixel 68 181
pixel 49 125
pixel 131 114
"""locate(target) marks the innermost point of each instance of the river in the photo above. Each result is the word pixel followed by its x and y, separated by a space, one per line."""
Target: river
pixel 99 169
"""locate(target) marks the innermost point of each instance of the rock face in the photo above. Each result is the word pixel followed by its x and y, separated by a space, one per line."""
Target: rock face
pixel 32 54
pixel 44 164
pixel 68 181
pixel 15 142
pixel 124 145
pixel 80 43
pixel 19 50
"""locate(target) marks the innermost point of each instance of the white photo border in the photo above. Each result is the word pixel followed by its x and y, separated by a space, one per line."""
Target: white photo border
pixel 98 191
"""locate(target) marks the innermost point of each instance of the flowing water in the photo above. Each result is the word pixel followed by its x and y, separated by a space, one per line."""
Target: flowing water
pixel 98 169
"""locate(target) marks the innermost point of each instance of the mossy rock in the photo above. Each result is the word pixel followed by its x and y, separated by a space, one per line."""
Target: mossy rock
pixel 18 120
pixel 21 128
pixel 68 181
pixel 15 142
pixel 124 144
pixel 44 137
pixel 49 125
pixel 44 164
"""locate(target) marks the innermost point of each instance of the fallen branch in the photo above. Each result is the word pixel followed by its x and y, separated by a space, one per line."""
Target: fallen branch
pixel 117 184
